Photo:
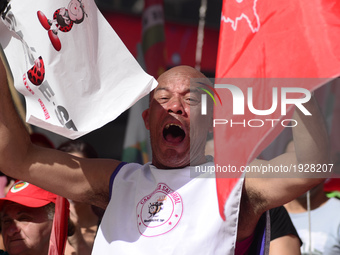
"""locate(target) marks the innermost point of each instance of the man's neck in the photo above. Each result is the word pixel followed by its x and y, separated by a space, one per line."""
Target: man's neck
pixel 194 161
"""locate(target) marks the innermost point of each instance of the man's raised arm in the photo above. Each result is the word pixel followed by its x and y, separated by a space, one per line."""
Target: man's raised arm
pixel 85 180
pixel 311 148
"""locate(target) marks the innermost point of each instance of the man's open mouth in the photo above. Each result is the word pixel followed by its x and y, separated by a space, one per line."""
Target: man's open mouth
pixel 173 133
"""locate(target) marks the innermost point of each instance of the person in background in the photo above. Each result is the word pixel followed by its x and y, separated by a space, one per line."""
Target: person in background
pixel 320 233
pixel 284 239
pixel 27 214
pixel 6 182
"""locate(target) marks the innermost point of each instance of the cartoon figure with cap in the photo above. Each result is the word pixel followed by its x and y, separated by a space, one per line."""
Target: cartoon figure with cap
pixel 27 214
pixel 63 20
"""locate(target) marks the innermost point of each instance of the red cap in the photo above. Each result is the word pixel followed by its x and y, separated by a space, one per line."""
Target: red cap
pixel 28 195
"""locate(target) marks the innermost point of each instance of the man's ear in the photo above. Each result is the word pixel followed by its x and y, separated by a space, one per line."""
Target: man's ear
pixel 145 116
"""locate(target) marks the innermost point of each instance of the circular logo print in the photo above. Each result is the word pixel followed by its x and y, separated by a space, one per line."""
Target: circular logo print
pixel 159 212
pixel 19 186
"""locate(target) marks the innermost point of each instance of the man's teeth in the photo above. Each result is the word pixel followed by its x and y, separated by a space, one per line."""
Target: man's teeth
pixel 173 133
pixel 175 125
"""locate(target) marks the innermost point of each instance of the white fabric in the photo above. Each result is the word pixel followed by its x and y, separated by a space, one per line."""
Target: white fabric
pixel 187 219
pixel 89 80
pixel 325 222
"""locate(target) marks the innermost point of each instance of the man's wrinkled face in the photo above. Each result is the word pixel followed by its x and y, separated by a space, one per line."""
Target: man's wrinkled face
pixel 177 129
pixel 25 230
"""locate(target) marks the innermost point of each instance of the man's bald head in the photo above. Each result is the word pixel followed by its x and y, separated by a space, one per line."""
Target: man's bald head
pixel 184 71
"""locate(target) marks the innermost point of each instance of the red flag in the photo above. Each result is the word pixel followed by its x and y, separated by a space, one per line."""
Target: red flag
pixel 59 229
pixel 262 39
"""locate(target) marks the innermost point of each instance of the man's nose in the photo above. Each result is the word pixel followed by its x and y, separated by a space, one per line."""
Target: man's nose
pixel 176 106
pixel 12 229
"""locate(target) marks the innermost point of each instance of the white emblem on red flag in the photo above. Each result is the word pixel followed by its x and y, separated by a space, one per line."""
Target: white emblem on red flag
pixel 242 9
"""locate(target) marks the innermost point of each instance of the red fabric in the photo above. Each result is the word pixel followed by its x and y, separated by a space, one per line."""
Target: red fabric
pixel 180 53
pixel 28 195
pixel 59 230
pixel 259 39
pixel 332 184
pixel 155 59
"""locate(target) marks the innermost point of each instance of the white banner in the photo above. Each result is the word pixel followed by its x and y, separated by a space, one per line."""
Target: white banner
pixel 73 69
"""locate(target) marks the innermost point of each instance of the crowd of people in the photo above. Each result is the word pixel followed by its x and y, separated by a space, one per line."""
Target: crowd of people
pixel 157 206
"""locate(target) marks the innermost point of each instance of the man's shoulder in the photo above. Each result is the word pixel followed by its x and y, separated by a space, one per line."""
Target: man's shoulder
pixel 127 169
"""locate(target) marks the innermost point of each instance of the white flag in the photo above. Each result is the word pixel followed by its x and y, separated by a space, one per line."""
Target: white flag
pixel 73 69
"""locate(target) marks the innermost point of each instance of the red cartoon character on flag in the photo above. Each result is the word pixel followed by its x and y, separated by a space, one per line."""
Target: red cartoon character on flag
pixel 37 73
pixel 63 20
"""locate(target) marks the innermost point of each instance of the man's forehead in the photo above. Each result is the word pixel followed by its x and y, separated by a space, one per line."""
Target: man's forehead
pixel 9 205
pixel 183 78
pixel 185 89
pixel 12 206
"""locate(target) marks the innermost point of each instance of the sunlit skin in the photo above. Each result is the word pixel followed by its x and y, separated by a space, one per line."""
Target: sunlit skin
pixel 175 102
pixel 25 230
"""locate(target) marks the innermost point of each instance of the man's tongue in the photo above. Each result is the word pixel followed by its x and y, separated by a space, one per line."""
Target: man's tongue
pixel 173 134
pixel 173 139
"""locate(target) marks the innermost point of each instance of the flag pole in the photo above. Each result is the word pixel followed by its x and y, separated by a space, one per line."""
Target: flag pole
pixel 200 34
